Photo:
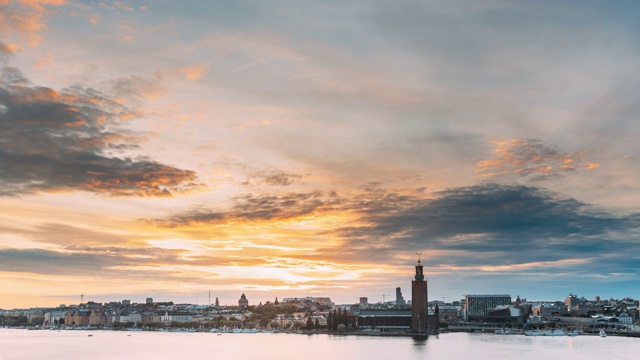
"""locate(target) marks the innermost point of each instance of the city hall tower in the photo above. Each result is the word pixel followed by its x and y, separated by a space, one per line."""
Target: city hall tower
pixel 419 301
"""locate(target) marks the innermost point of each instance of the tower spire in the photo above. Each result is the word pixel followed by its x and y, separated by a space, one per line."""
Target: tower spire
pixel 419 273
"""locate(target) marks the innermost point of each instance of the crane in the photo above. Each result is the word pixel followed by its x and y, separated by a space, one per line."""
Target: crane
pixel 383 298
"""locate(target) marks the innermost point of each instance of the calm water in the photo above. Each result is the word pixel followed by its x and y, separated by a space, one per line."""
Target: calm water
pixel 45 344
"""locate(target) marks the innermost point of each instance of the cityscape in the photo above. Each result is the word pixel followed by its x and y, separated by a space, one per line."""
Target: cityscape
pixel 496 313
pixel 406 179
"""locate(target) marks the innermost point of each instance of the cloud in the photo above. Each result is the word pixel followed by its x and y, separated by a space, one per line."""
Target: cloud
pixel 72 140
pixel 6 51
pixel 250 207
pixel 25 18
pixel 45 60
pixel 272 178
pixel 474 231
pixel 530 159
pixel 194 72
pixel 485 225
pixel 133 89
pixel 115 6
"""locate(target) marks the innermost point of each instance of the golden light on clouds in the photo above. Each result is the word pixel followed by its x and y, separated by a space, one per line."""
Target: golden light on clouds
pixel 194 72
pixel 178 149
pixel 524 266
pixel 529 158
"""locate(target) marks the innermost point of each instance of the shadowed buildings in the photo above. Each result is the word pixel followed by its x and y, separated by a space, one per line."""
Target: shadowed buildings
pixel 399 298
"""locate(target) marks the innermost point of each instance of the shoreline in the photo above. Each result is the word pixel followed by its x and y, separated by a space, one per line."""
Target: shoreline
pixel 353 333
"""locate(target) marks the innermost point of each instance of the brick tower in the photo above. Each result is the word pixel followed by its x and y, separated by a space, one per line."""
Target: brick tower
pixel 419 301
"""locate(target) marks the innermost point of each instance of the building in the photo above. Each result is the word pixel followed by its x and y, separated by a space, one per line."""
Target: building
pixel 399 298
pixel 243 302
pixel 588 308
pixel 477 306
pixel 149 301
pixel 505 314
pixel 421 319
pixel 364 302
pixel 97 318
pixel 77 318
pixel 547 310
pixel 449 313
pixel 149 317
pixel 571 301
pixel 385 319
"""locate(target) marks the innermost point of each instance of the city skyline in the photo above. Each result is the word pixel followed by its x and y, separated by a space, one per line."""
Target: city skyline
pixel 293 148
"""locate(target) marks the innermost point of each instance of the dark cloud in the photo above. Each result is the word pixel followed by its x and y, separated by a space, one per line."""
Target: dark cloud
pixel 522 228
pixel 272 178
pixel 251 207
pixel 73 140
pixel 489 224
pixel 74 261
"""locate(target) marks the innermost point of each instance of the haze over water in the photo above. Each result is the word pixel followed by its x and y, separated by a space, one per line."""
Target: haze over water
pixel 106 345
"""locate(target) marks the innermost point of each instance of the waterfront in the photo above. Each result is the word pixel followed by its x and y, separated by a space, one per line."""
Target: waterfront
pixel 102 345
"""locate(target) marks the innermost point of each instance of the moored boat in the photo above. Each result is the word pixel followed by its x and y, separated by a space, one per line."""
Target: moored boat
pixel 556 332
pixel 534 333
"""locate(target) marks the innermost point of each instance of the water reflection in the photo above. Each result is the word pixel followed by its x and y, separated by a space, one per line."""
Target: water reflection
pixel 419 344
pixel 108 345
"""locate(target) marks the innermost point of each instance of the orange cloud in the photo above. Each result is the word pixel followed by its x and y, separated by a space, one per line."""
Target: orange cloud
pixel 526 157
pixel 194 72
pixel 26 19
pixel 592 166
pixel 38 4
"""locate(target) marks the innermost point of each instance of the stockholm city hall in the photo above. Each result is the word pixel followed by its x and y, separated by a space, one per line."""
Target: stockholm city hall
pixel 417 319
pixel 421 320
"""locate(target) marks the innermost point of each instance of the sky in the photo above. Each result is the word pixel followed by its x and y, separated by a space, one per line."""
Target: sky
pixel 172 149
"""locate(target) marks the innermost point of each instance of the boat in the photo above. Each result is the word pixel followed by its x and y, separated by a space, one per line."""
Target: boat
pixel 505 332
pixel 534 333
pixel 556 332
pixel 572 333
pixel 602 333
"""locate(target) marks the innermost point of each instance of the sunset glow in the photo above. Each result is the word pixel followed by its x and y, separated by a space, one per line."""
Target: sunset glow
pixel 167 149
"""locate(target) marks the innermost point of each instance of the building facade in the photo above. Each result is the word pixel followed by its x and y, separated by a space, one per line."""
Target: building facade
pixel 571 301
pixel 477 306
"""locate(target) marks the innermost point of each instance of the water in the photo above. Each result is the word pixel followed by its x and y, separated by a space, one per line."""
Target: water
pixel 46 344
